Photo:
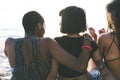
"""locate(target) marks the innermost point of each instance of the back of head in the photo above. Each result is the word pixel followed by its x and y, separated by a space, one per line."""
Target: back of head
pixel 113 11
pixel 73 20
pixel 30 21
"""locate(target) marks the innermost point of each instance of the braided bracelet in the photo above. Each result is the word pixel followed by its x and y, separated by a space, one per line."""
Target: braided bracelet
pixel 100 64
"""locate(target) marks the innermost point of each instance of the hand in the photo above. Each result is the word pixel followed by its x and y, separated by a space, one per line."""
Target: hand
pixel 87 39
pixel 101 31
pixel 92 32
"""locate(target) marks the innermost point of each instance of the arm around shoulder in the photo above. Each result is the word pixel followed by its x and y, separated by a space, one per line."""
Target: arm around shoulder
pixel 65 58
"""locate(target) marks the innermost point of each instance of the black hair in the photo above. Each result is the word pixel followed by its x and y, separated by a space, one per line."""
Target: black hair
pixel 73 20
pixel 30 21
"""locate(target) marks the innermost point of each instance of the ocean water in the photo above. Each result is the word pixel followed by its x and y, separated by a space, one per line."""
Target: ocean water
pixel 6 32
pixel 10 32
pixel 5 70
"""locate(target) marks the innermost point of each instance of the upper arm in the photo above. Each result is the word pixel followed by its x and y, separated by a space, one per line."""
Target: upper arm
pixel 9 50
pixel 7 44
pixel 99 52
pixel 101 44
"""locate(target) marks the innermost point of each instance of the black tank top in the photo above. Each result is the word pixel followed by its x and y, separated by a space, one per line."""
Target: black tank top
pixel 73 46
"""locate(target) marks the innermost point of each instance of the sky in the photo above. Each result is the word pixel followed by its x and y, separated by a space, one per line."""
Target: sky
pixel 12 11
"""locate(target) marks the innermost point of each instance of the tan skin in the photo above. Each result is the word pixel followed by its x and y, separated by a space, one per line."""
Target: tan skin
pixel 104 41
pixel 48 48
pixel 91 65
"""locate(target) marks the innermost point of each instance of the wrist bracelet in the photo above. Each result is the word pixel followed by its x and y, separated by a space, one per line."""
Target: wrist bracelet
pixel 100 64
pixel 89 47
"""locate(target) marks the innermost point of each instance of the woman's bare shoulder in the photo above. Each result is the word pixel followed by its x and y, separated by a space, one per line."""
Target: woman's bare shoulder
pixel 48 40
pixel 104 38
pixel 10 41
pixel 9 46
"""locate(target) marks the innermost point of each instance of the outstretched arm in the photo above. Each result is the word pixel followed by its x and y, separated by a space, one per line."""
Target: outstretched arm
pixel 65 58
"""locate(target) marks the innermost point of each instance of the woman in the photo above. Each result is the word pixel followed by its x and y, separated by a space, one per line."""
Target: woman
pixel 73 22
pixel 30 56
pixel 109 43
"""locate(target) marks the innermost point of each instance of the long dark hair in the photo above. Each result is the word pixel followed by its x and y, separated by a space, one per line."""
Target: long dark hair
pixel 113 11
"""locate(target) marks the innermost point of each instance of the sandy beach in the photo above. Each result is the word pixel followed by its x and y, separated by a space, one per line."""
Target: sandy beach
pixel 5 72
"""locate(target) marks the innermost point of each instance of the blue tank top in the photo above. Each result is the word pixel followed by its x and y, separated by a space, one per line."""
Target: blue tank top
pixel 38 69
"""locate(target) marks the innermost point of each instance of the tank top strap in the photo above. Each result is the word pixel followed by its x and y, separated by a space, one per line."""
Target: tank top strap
pixel 37 70
pixel 38 66
pixel 19 58
pixel 19 72
pixel 36 51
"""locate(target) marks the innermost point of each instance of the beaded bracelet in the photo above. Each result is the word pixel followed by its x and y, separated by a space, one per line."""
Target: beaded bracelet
pixel 89 47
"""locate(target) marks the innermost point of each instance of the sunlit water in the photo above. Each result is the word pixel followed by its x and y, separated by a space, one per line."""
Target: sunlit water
pixel 5 70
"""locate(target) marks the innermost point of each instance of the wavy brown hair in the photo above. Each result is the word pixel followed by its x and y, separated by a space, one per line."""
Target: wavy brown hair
pixel 113 16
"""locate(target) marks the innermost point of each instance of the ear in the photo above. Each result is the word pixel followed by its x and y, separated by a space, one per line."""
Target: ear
pixel 39 30
pixel 39 26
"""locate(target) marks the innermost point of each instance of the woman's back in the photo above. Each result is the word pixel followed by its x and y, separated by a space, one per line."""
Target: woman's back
pixel 110 52
pixel 29 64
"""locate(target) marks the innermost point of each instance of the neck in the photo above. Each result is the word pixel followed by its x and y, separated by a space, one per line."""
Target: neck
pixel 29 35
pixel 73 35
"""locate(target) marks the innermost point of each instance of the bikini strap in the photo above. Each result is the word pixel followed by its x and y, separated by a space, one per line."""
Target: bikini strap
pixel 109 47
pixel 108 50
pixel 116 44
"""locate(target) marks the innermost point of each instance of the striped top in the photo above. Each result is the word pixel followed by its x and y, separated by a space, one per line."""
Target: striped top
pixel 38 69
